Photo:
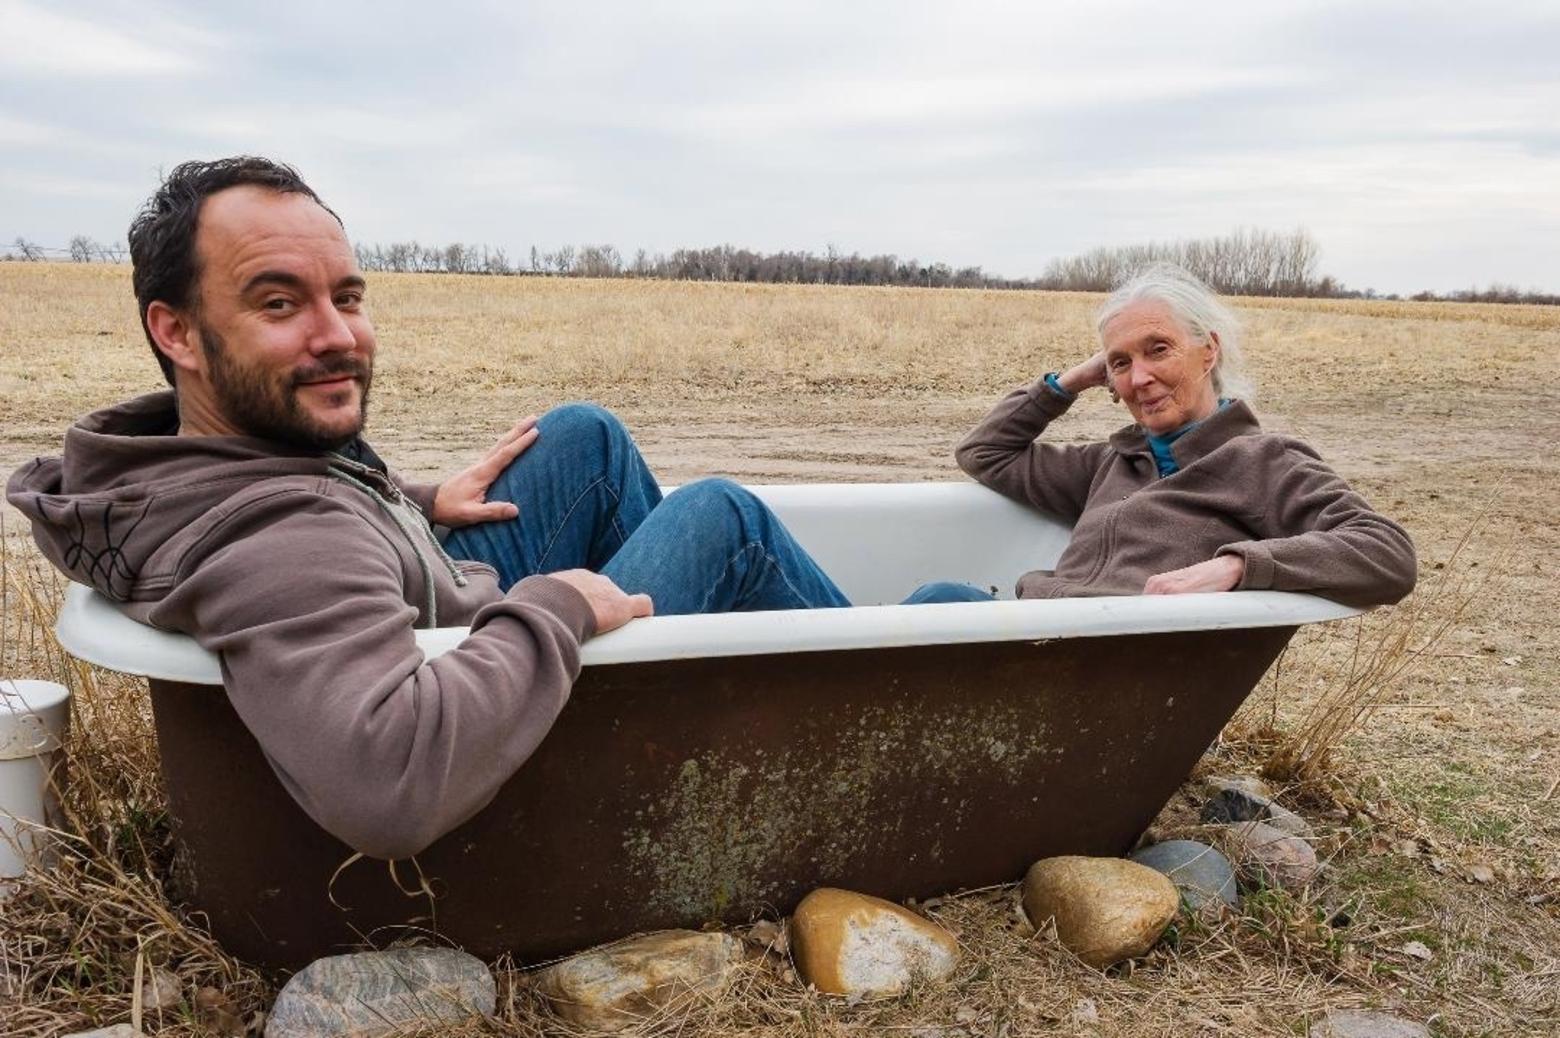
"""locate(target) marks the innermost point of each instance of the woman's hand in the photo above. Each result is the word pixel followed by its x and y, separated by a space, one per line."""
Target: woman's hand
pixel 1222 573
pixel 1086 375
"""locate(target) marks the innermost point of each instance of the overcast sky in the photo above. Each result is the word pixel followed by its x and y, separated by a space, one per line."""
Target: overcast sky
pixel 1418 142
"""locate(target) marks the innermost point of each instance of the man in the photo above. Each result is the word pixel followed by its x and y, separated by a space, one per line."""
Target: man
pixel 244 509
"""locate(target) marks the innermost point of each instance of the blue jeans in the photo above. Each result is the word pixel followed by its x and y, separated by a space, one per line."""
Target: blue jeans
pixel 948 591
pixel 588 501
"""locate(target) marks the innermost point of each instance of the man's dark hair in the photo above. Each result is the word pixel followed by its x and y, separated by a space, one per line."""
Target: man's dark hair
pixel 162 235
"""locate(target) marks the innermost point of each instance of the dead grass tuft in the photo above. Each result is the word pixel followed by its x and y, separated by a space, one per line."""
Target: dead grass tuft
pixel 1381 650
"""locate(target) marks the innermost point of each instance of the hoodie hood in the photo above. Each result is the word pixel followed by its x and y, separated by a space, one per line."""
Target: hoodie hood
pixel 127 487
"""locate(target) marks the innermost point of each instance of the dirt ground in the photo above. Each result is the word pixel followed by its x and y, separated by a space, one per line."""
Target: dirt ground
pixel 1447 417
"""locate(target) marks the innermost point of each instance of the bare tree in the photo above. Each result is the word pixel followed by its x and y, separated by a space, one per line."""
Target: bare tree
pixel 32 252
pixel 83 249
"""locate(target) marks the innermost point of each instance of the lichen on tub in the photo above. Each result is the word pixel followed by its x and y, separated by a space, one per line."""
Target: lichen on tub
pixel 704 842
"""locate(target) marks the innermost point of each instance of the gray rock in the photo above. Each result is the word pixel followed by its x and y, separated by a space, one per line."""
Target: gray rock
pixel 1202 875
pixel 161 990
pixel 1359 1023
pixel 1273 857
pixel 1233 803
pixel 116 1031
pixel 378 992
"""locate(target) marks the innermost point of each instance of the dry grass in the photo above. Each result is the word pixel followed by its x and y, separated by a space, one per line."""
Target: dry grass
pixel 1432 786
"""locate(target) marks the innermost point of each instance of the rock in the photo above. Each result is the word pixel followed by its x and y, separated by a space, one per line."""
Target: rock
pixel 769 936
pixel 1204 877
pixel 1275 858
pixel 1239 804
pixel 378 992
pixel 1356 1023
pixel 1245 783
pixel 620 985
pixel 161 990
pixel 217 1012
pixel 864 947
pixel 116 1031
pixel 1106 909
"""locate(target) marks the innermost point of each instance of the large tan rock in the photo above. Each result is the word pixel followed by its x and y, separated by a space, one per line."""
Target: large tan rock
pixel 622 984
pixel 1106 909
pixel 852 944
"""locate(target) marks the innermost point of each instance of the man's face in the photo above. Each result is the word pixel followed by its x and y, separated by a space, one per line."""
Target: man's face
pixel 287 345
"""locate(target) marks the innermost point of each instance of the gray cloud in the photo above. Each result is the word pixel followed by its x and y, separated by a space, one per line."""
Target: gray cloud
pixel 1417 143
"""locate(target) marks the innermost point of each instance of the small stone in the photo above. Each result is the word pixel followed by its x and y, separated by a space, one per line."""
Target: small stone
pixel 1416 950
pixel 116 1031
pixel 620 985
pixel 1084 1011
pixel 770 936
pixel 217 1012
pixel 1481 873
pixel 1245 783
pixel 859 946
pixel 1204 877
pixel 1356 1023
pixel 161 990
pixel 379 992
pixel 1275 858
pixel 1235 804
pixel 1105 909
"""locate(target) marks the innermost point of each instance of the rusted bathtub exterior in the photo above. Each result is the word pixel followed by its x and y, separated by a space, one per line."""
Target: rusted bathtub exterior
pixel 690 789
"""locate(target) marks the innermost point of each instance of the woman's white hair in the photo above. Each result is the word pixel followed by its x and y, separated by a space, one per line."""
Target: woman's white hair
pixel 1198 310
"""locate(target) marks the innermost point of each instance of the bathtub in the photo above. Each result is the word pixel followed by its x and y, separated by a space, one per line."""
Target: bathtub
pixel 714 768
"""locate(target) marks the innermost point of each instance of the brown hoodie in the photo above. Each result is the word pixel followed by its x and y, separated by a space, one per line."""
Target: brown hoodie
pixel 307 572
pixel 1267 498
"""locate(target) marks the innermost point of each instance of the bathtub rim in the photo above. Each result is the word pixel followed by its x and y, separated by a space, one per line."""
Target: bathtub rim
pixel 91 628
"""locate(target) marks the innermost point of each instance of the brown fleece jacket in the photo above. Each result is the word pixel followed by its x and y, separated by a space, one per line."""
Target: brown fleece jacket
pixel 1267 498
pixel 310 589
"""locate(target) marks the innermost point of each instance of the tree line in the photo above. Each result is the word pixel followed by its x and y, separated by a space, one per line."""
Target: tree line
pixel 1245 262
pixel 1249 262
pixel 80 250
pixel 714 263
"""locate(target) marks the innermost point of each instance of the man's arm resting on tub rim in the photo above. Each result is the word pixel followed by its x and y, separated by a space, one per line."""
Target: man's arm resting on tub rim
pixel 382 749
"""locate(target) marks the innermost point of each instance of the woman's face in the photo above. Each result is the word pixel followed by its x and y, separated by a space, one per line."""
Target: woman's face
pixel 1162 374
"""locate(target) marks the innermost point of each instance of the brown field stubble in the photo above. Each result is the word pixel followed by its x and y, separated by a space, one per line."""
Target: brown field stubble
pixel 1439 413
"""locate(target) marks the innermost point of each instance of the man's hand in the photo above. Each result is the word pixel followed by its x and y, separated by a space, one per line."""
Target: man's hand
pixel 613 607
pixel 1222 573
pixel 462 499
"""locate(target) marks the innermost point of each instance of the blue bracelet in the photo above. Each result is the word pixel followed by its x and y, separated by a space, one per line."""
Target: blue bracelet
pixel 1053 380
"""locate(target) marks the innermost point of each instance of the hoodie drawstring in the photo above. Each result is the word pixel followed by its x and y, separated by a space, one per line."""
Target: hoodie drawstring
pixel 414 525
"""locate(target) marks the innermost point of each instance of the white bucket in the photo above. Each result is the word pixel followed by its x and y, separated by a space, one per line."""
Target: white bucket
pixel 34 716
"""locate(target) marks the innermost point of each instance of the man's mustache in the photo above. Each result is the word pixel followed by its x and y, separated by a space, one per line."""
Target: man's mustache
pixel 334 367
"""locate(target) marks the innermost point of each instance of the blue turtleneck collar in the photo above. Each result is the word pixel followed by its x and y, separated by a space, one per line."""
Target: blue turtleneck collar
pixel 1159 444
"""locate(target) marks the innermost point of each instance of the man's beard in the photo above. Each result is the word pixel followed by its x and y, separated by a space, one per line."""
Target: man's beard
pixel 269 409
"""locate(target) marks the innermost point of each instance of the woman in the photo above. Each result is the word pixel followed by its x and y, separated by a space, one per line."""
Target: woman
pixel 1192 497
